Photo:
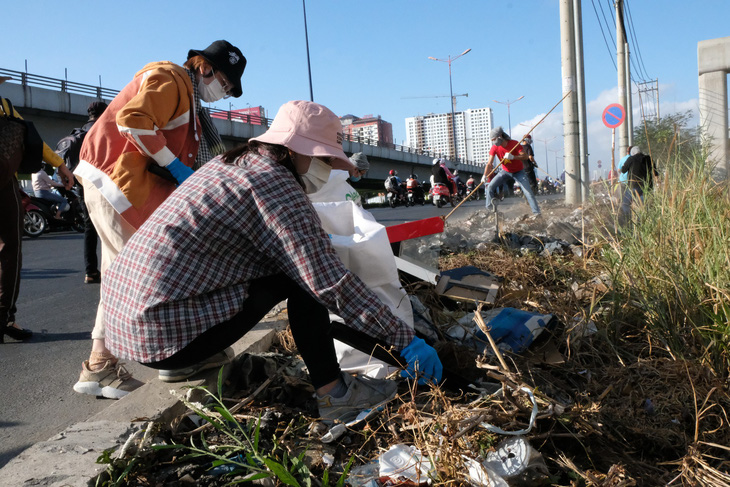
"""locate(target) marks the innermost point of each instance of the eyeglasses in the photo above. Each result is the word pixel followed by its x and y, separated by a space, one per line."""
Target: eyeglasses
pixel 225 84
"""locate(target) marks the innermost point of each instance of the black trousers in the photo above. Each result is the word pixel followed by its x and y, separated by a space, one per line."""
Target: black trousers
pixel 11 231
pixel 308 319
pixel 91 239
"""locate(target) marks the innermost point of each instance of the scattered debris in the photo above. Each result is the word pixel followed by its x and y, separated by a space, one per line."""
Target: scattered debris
pixel 553 401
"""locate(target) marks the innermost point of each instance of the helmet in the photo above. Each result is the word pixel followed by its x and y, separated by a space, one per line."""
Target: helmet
pixel 412 176
pixel 392 172
pixel 436 161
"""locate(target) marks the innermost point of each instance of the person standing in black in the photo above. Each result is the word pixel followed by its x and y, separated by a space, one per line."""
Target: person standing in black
pixel 69 148
pixel 11 227
pixel 530 163
pixel 641 173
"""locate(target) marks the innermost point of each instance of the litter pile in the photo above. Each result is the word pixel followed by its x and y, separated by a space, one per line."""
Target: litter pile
pixel 547 392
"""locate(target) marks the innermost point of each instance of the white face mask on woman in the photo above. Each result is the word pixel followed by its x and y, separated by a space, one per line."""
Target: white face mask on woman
pixel 316 176
pixel 211 92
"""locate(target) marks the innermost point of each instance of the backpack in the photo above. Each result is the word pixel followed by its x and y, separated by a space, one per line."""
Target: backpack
pixel 391 184
pixel 21 146
pixel 69 148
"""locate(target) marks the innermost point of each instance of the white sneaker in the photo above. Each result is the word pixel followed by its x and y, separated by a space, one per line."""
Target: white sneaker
pixel 362 393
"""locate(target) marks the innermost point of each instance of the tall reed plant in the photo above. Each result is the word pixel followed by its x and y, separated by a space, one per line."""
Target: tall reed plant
pixel 671 263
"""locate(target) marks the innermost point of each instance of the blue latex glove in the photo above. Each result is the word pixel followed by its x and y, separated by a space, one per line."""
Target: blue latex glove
pixel 179 170
pixel 423 361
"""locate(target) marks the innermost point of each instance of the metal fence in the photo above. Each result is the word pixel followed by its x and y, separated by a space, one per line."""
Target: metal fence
pixel 65 86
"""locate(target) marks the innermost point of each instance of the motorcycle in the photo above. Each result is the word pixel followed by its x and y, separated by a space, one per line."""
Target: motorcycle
pixel 440 194
pixel 396 198
pixel 40 214
pixel 415 195
pixel 34 223
pixel 470 189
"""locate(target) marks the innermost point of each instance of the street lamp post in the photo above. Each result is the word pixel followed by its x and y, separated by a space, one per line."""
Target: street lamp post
pixel 451 92
pixel 545 141
pixel 508 103
pixel 306 40
pixel 556 159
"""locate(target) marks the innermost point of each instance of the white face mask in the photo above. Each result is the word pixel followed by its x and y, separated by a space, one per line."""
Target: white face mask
pixel 211 92
pixel 316 176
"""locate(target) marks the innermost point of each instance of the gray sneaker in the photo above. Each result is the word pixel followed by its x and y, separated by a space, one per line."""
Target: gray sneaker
pixel 362 393
pixel 218 360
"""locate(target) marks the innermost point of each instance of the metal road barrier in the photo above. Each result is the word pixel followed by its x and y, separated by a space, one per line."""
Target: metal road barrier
pixel 65 86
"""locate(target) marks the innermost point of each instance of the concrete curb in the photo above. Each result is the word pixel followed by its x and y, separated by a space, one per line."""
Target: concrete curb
pixel 68 459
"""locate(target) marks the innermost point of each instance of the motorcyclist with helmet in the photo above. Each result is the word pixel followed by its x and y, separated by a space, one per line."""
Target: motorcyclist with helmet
pixel 438 175
pixel 394 184
pixel 471 183
pixel 413 186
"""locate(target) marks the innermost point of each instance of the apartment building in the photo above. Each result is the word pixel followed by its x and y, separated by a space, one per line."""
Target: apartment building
pixel 369 129
pixel 433 132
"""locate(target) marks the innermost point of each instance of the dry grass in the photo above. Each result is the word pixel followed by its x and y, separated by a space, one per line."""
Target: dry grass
pixel 620 410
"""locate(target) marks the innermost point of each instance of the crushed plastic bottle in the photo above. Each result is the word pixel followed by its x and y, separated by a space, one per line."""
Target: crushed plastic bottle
pixel 404 462
pixel 517 462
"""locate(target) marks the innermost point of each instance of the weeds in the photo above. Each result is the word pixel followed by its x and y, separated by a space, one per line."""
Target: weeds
pixel 671 265
pixel 237 453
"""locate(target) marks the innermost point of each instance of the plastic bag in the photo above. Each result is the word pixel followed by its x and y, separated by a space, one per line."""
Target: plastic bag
pixel 363 246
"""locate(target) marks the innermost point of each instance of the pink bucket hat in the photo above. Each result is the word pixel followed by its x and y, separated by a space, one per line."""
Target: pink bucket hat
pixel 309 129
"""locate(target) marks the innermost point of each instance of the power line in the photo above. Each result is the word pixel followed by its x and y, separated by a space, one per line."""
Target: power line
pixel 636 42
pixel 608 25
pixel 610 53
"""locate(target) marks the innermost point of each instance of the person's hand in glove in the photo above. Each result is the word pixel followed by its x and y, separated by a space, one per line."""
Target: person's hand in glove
pixel 179 170
pixel 508 156
pixel 423 362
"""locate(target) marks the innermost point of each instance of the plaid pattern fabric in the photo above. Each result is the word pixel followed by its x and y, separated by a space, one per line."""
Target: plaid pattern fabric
pixel 211 144
pixel 189 265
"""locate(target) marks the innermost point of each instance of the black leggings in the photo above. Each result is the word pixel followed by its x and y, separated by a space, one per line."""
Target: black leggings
pixel 308 319
pixel 11 229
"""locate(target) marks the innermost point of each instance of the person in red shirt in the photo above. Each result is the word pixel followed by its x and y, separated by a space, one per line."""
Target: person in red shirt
pixel 510 154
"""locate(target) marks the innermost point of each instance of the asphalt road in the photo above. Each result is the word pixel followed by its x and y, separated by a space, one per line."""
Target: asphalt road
pixel 36 398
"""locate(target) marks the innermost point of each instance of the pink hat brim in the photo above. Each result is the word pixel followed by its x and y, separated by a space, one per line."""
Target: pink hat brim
pixel 309 129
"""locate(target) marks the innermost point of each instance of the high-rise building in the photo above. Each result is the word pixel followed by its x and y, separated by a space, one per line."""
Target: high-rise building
pixel 368 129
pixel 433 132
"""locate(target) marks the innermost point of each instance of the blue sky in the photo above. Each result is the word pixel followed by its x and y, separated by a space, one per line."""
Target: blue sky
pixel 371 57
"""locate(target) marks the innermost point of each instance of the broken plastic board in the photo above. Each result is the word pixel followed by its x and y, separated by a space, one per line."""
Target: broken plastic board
pixel 415 229
pixel 469 284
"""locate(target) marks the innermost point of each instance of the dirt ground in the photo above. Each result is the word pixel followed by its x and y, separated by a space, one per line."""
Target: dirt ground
pixel 599 403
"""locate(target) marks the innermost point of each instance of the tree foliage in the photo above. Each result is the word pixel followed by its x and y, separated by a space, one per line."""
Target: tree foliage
pixel 668 139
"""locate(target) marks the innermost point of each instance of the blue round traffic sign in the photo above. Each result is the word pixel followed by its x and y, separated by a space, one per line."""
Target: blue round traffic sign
pixel 613 115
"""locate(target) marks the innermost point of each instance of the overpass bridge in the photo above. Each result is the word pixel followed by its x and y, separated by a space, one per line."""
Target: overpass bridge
pixel 57 106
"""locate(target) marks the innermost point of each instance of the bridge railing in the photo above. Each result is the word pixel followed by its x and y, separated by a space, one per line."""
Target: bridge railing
pixel 65 86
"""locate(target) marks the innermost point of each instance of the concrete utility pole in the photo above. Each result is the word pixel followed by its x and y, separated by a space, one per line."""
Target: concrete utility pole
pixel 585 174
pixel 629 96
pixel 623 129
pixel 570 104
